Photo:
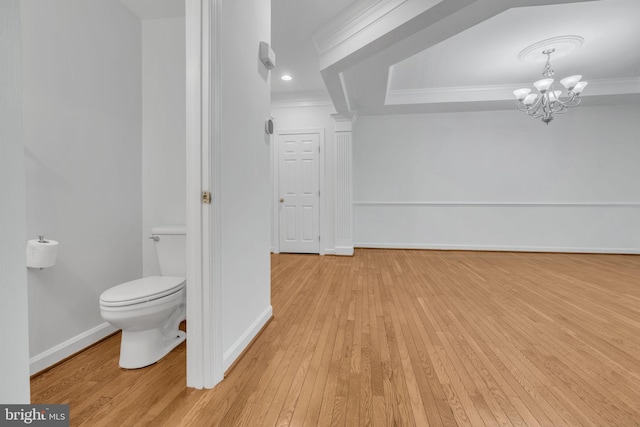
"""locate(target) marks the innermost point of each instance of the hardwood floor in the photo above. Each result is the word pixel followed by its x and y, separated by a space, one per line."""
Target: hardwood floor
pixel 401 338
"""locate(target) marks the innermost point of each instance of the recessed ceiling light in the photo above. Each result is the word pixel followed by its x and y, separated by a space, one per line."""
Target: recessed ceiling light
pixel 286 77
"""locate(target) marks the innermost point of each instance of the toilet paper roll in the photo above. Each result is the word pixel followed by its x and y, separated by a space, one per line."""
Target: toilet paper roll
pixel 41 254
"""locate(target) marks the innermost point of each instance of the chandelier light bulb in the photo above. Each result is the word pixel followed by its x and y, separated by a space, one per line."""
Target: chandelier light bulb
pixel 521 94
pixel 543 85
pixel 570 82
pixel 530 99
pixel 579 87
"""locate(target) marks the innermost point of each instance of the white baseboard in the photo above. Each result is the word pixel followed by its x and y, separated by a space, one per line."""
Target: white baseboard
pixel 73 345
pixel 344 250
pixel 329 251
pixel 238 347
pixel 630 251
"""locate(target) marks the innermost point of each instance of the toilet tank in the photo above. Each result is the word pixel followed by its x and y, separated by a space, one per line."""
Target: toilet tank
pixel 170 242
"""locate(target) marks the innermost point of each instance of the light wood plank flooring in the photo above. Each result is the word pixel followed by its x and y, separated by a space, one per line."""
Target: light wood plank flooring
pixel 401 338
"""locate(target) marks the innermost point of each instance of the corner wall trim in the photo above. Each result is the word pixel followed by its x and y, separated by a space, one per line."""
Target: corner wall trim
pixel 499 248
pixel 73 345
pixel 298 103
pixel 204 288
pixel 245 339
pixel 344 250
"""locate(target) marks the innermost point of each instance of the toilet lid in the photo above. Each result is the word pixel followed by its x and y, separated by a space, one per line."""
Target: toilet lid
pixel 141 290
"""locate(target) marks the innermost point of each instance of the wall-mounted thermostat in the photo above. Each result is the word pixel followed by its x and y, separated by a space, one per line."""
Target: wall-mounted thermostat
pixel 267 55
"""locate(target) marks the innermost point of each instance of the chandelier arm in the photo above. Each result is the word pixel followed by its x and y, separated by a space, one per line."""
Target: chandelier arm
pixel 530 109
pixel 572 96
pixel 548 108
pixel 537 113
pixel 559 108
pixel 573 101
pixel 533 111
pixel 535 106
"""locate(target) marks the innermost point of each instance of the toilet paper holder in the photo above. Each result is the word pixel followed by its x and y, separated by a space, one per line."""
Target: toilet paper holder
pixel 41 253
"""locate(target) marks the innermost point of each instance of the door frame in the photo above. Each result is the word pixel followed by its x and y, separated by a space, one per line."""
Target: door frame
pixel 204 282
pixel 275 175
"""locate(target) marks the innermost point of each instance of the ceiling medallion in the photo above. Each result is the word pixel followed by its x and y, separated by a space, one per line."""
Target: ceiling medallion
pixel 548 101
pixel 563 45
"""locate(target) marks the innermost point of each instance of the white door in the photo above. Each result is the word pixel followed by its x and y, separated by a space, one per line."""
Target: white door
pixel 299 192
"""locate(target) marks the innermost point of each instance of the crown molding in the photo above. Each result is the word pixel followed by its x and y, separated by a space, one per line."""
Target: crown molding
pixel 355 18
pixel 619 86
pixel 367 21
pixel 301 102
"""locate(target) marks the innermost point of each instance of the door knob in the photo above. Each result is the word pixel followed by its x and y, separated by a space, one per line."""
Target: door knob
pixel 281 200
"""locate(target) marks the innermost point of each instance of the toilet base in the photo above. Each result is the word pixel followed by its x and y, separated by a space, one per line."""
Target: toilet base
pixel 143 348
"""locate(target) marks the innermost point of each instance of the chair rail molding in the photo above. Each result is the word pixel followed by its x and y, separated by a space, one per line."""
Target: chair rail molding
pixel 500 204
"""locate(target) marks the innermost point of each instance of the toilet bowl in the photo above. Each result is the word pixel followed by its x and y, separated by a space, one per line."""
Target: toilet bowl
pixel 149 310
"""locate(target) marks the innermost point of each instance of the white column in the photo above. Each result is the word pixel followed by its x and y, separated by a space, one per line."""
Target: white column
pixel 344 185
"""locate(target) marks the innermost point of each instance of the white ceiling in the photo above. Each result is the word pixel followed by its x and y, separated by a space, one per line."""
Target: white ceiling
pixel 155 9
pixel 292 24
pixel 487 54
pixel 381 56
pixel 384 56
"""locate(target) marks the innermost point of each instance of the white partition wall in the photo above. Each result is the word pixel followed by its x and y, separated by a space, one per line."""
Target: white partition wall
pixel 163 130
pixel 499 180
pixel 313 118
pixel 228 156
pixel 81 93
pixel 336 164
pixel 14 356
pixel 245 173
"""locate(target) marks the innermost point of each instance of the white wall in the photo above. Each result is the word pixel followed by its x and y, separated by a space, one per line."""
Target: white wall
pixel 14 356
pixel 312 117
pixel 245 174
pixel 163 130
pixel 499 180
pixel 82 136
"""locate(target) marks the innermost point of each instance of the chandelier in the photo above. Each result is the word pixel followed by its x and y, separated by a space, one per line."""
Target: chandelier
pixel 547 102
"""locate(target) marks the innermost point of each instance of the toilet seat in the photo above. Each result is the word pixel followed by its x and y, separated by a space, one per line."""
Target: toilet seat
pixel 141 291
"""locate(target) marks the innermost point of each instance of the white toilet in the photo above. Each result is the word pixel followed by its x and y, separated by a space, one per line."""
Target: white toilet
pixel 149 310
